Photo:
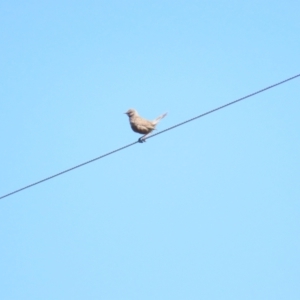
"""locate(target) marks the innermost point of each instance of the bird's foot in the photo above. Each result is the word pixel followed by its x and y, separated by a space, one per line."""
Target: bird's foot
pixel 141 140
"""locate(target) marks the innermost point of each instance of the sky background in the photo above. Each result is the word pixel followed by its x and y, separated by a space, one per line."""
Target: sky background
pixel 209 210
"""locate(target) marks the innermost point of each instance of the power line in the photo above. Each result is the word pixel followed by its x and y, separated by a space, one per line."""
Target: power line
pixel 223 106
pixel 151 136
pixel 68 170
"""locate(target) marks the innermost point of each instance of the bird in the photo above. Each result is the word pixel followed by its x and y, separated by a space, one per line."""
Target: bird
pixel 141 125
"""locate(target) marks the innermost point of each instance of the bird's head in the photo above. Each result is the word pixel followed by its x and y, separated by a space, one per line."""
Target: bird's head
pixel 131 112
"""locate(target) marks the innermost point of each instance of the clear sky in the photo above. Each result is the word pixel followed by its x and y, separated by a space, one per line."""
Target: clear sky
pixel 209 210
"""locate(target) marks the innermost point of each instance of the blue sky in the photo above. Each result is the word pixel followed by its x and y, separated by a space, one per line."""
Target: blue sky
pixel 209 210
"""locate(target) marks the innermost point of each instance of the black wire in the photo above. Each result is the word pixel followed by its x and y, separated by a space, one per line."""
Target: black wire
pixel 151 136
pixel 68 170
pixel 223 106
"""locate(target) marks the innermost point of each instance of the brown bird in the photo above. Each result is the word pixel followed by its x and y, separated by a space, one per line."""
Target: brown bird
pixel 140 125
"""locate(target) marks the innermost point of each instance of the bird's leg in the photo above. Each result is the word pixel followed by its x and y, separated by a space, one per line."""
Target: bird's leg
pixel 143 138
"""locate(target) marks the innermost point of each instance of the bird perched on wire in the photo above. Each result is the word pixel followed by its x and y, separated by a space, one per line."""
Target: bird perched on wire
pixel 140 125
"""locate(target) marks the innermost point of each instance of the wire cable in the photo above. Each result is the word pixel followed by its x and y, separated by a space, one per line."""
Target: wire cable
pixel 151 136
pixel 223 106
pixel 68 170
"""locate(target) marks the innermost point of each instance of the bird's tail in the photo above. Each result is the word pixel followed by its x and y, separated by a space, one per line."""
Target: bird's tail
pixel 158 119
